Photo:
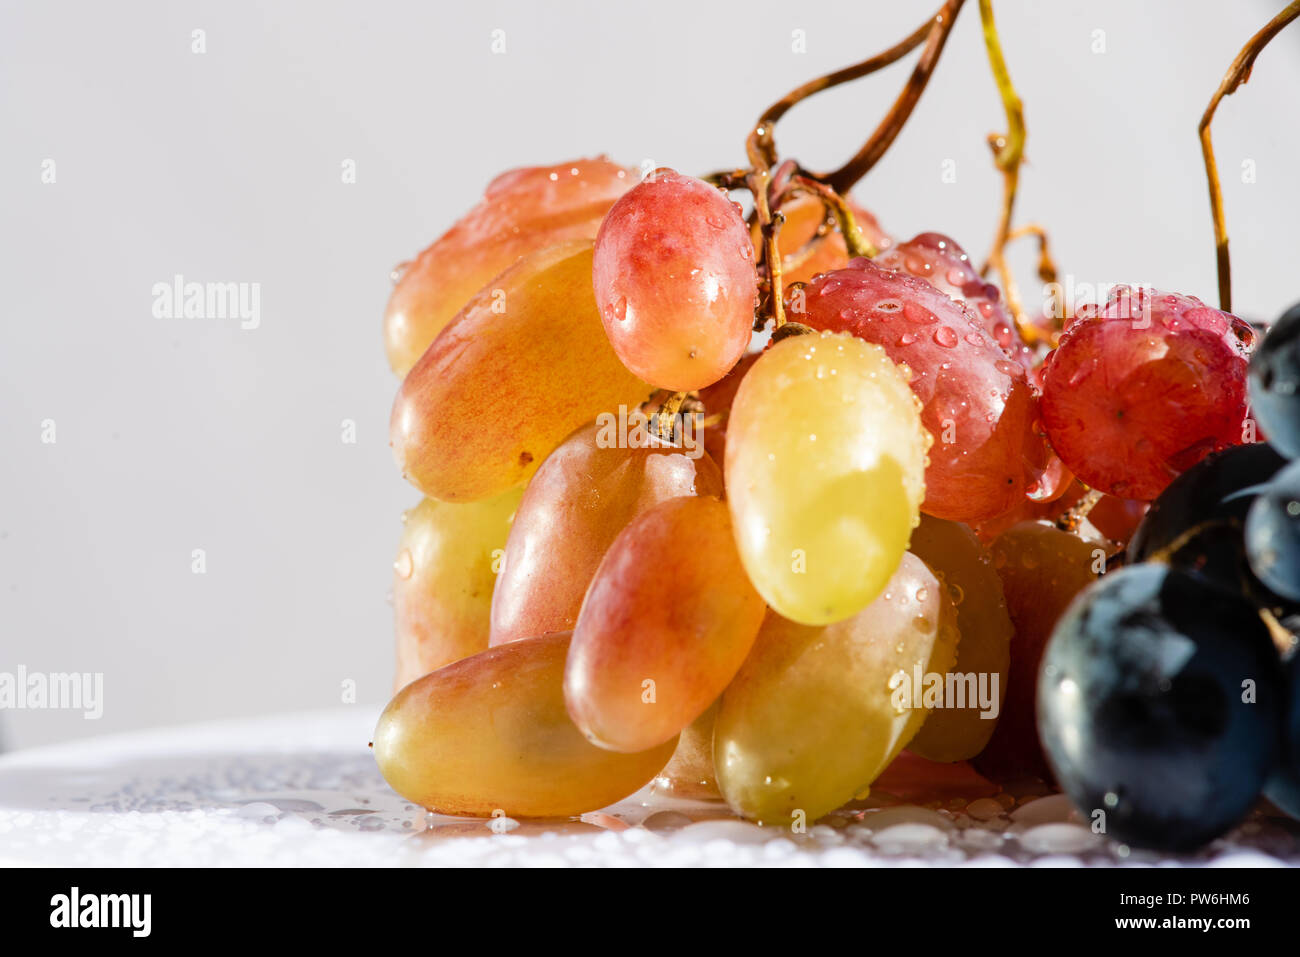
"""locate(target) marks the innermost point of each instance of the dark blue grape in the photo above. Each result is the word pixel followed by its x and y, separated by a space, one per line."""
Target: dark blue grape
pixel 1283 788
pixel 1272 534
pixel 1197 523
pixel 1274 383
pixel 1141 711
pixel 1217 489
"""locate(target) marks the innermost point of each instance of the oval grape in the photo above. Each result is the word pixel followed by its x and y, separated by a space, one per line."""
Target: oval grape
pixel 584 494
pixel 1144 388
pixel 815 713
pixel 690 773
pixel 1042 568
pixel 443 579
pixel 522 366
pixel 490 733
pixel 666 622
pixel 675 281
pixel 825 465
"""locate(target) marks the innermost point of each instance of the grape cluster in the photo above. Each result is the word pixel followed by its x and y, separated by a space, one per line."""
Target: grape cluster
pixel 659 546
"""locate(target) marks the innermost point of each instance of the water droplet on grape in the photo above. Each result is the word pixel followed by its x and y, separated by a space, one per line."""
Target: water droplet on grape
pixel 945 336
pixel 404 565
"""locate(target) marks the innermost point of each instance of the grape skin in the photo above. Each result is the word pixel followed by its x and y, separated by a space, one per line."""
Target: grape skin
pixel 965 567
pixel 670 604
pixel 1042 569
pixel 443 579
pixel 490 734
pixel 977 403
pixel 523 210
pixel 519 368
pixel 824 468
pixel 1142 389
pixel 575 506
pixel 1275 383
pixel 810 719
pixel 675 281
pixel 940 261
pixel 1272 534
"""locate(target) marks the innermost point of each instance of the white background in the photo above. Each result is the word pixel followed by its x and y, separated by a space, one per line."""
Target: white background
pixel 177 434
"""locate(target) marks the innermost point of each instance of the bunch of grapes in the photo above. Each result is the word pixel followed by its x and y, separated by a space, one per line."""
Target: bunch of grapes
pixel 732 500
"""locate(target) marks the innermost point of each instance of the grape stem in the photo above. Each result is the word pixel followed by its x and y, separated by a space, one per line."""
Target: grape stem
pixel 1074 516
pixel 1047 271
pixel 760 147
pixel 1008 154
pixel 854 241
pixel 665 417
pixel 1238 73
pixel 769 224
pixel 940 26
pixel 761 139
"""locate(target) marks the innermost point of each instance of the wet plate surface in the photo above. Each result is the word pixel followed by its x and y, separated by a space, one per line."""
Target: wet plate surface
pixel 303 790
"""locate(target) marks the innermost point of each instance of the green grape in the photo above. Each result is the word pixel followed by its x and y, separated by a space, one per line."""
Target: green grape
pixel 446 567
pixel 816 713
pixel 825 465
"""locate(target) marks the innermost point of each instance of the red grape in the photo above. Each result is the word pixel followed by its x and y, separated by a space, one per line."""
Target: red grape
pixel 940 261
pixel 1143 388
pixel 675 281
pixel 584 494
pixel 666 622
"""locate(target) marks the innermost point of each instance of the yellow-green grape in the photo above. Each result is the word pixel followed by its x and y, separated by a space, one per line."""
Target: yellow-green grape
pixel 825 467
pixel 443 576
pixel 816 713
pixel 489 734
pixel 966 569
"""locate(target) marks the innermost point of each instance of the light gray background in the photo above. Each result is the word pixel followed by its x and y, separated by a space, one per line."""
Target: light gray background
pixel 177 434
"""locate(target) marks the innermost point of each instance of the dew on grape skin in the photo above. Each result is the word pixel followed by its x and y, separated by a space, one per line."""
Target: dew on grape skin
pixel 946 337
pixel 404 565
